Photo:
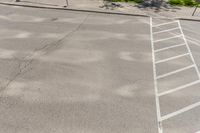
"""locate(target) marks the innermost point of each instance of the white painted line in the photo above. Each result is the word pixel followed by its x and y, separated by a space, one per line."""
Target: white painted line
pixel 172 58
pixel 178 88
pixel 170 47
pixel 162 31
pixel 190 30
pixel 160 118
pixel 187 108
pixel 160 128
pixel 165 23
pixel 194 42
pixel 194 39
pixel 196 68
pixel 177 36
pixel 174 72
pixel 197 132
pixel 190 39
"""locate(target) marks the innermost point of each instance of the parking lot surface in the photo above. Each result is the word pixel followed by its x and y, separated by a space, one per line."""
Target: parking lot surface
pixel 74 72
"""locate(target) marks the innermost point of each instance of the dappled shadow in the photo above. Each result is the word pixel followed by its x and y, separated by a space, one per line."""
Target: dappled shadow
pixel 155 4
pixel 147 5
pixel 108 4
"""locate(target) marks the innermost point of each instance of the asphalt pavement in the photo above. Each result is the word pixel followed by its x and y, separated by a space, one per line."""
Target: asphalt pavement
pixel 75 72
pixel 177 75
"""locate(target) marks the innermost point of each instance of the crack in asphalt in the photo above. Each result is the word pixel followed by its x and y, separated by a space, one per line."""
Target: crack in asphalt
pixel 24 65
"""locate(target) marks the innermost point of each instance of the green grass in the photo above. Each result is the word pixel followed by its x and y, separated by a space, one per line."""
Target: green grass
pixel 183 2
pixel 172 2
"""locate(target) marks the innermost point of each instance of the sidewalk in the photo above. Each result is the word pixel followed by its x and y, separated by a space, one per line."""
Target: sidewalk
pixel 99 5
pixel 94 5
pixel 58 3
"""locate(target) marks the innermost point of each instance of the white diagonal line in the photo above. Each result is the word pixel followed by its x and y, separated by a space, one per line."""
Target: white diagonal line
pixel 171 58
pixel 159 123
pixel 162 31
pixel 166 48
pixel 174 72
pixel 187 108
pixel 159 117
pixel 165 23
pixel 193 42
pixel 194 39
pixel 178 88
pixel 164 39
pixel 196 68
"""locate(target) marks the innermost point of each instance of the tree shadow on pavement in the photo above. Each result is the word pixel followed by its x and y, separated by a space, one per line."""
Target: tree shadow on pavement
pixel 157 5
pixel 153 5
pixel 108 4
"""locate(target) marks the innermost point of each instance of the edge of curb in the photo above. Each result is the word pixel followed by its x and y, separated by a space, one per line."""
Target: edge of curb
pixel 73 9
pixel 92 11
pixel 190 19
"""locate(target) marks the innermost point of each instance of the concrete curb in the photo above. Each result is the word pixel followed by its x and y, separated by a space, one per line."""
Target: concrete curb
pixel 181 18
pixel 73 9
pixel 93 11
pixel 190 19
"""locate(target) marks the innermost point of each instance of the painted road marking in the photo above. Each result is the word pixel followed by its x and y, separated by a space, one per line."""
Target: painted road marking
pixel 174 72
pixel 197 70
pixel 194 39
pixel 170 47
pixel 160 118
pixel 189 39
pixel 168 30
pixel 165 23
pixel 172 58
pixel 164 39
pixel 194 42
pixel 160 127
pixel 187 108
pixel 178 88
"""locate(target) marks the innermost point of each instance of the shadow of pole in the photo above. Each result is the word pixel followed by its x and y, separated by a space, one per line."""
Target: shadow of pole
pixel 194 11
pixel 67 3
